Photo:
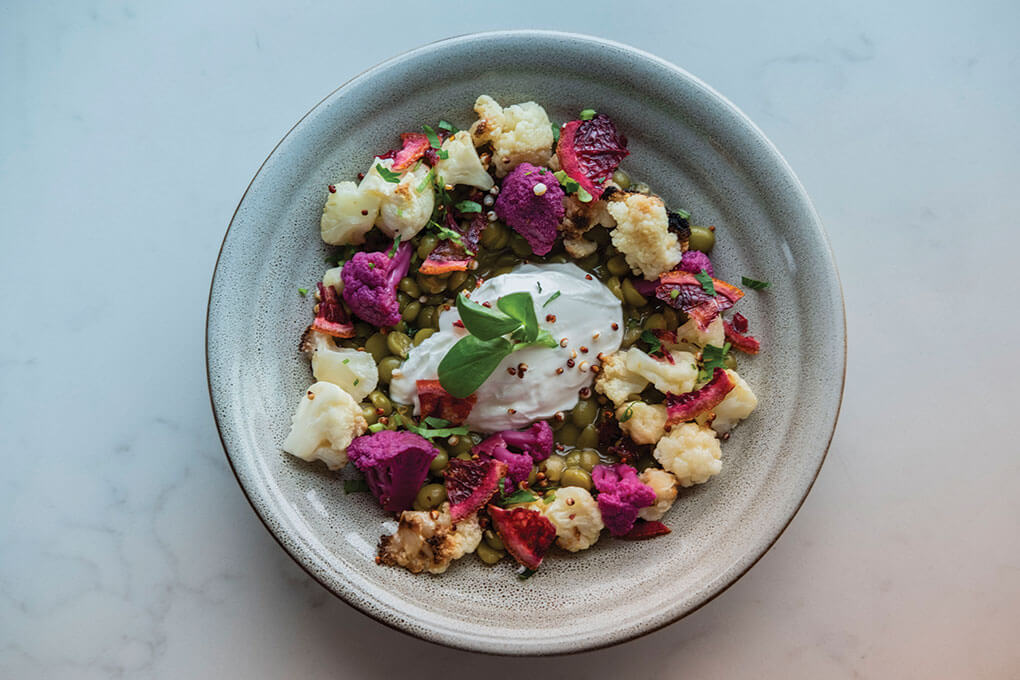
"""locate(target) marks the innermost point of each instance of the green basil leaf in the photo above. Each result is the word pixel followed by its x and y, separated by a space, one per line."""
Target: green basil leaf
pixel 521 306
pixel 468 363
pixel 482 322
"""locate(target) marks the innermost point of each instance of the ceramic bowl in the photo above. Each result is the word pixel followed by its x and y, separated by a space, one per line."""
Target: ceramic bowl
pixel 697 151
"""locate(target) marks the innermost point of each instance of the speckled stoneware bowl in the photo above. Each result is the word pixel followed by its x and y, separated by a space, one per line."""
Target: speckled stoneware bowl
pixel 697 151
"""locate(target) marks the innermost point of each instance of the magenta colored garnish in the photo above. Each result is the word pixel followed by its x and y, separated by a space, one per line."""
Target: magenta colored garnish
pixel 740 323
pixel 644 529
pixel 695 261
pixel 331 317
pixel 470 484
pixel 527 534
pixel 644 287
pixel 620 496
pixel 683 407
pixel 450 256
pixel 745 343
pixel 681 290
pixel 590 151
pixel 395 465
pixel 414 146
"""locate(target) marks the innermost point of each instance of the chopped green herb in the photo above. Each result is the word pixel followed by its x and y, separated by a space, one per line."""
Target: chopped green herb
pixel 524 574
pixel 587 114
pixel 549 497
pixel 356 381
pixel 388 175
pixel 432 421
pixel 706 282
pixel 469 207
pixel 654 344
pixel 396 244
pixel 521 496
pixel 674 294
pixel 712 357
pixel 551 298
pixel 371 265
pixel 754 284
pixel 583 195
pixel 539 283
pixel 447 126
pixel 442 154
pixel 449 234
pixel 683 213
pixel 355 485
pixel 376 427
pixel 427 180
pixel 346 361
pixel 556 132
pixel 302 291
pixel 627 414
pixel 433 137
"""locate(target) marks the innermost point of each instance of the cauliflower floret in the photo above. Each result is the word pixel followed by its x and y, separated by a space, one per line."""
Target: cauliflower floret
pixel 676 377
pixel 518 133
pixel 333 277
pixel 715 334
pixel 642 234
pixel 462 165
pixel 426 540
pixel 643 423
pixel 737 405
pixel 664 486
pixel 579 247
pixel 577 519
pixel 616 381
pixel 691 452
pixel 348 215
pixel 407 205
pixel 352 371
pixel 326 422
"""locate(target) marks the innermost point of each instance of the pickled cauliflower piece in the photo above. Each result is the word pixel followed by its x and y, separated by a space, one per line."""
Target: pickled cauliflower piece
pixel 715 334
pixel 518 133
pixel 326 422
pixel 675 377
pixel 426 540
pixel 643 423
pixel 333 277
pixel 348 215
pixel 642 234
pixel 462 165
pixel 664 485
pixel 406 206
pixel 352 371
pixel 737 405
pixel 577 519
pixel 691 452
pixel 616 380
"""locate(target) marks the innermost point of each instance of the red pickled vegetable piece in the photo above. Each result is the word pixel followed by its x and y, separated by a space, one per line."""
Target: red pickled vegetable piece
pixel 683 407
pixel 590 151
pixel 745 343
pixel 740 322
pixel 331 318
pixel 470 484
pixel 432 154
pixel 450 256
pixel 527 534
pixel 435 401
pixel 415 144
pixel 681 290
pixel 644 530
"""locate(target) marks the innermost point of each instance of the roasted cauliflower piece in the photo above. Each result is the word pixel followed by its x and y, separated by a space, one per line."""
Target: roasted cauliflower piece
pixel 642 234
pixel 664 485
pixel 576 516
pixel 326 422
pixel 691 452
pixel 518 133
pixel 426 540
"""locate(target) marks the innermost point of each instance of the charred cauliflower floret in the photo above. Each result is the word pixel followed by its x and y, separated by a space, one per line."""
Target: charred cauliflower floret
pixel 326 422
pixel 348 215
pixel 426 540
pixel 353 371
pixel 642 234
pixel 715 334
pixel 462 165
pixel 676 376
pixel 405 206
pixel 664 485
pixel 519 133
pixel 643 423
pixel 616 380
pixel 737 405
pixel 577 519
pixel 691 452
pixel 578 219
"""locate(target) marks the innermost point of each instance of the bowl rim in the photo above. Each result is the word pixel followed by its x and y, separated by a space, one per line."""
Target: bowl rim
pixel 795 186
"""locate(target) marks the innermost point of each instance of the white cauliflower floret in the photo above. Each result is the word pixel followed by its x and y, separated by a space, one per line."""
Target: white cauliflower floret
pixel 737 405
pixel 642 234
pixel 426 540
pixel 519 133
pixel 715 334
pixel 577 519
pixel 352 371
pixel 348 215
pixel 691 452
pixel 676 377
pixel 664 485
pixel 326 422
pixel 332 277
pixel 579 247
pixel 462 165
pixel 407 205
pixel 643 423
pixel 616 381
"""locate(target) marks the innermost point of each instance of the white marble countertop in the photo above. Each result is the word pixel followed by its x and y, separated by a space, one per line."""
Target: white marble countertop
pixel 128 133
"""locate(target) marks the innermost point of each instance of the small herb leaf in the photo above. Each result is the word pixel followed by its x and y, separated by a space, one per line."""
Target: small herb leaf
pixel 754 284
pixel 654 344
pixel 388 175
pixel 449 127
pixel 302 292
pixel 551 298
pixel 433 137
pixel 587 114
pixel 712 357
pixel 483 322
pixel 468 363
pixel 469 207
pixel 706 282
pixel 521 307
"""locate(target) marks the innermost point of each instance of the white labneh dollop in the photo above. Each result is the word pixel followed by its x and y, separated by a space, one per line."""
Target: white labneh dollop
pixel 569 305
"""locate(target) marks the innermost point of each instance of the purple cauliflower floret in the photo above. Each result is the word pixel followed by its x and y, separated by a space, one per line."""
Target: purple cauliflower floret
pixel 621 495
pixel 518 464
pixel 694 261
pixel 370 284
pixel 395 464
pixel 536 217
pixel 537 440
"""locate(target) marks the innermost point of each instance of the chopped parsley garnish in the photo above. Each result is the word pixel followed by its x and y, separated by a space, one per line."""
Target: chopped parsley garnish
pixel 371 265
pixel 587 114
pixel 712 357
pixel 449 234
pixel 674 294
pixel 521 496
pixel 571 186
pixel 551 298
pixel 754 284
pixel 469 207
pixel 628 414
pixel 442 154
pixel 654 344
pixel 706 282
pixel 388 175
pixel 356 381
pixel 432 421
pixel 449 127
pixel 431 428
pixel 556 132
pixel 433 137
pixel 396 244
pixel 355 485
pixel 376 427
pixel 426 180
pixel 549 497
pixel 683 213
pixel 347 361
pixel 302 291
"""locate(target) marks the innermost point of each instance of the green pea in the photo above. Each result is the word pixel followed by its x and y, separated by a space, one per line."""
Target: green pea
pixel 614 286
pixel 440 462
pixel 456 280
pixel 622 179
pixel 487 554
pixel 641 188
pixel 730 361
pixel 588 438
pixel 654 322
pixel 567 435
pixel 553 467
pixel 426 317
pixel 400 326
pixel 573 459
pixel 495 236
pixel 431 284
pixel 386 368
pixel 362 330
pixel 461 444
pixel 463 456
pixel 702 238
pixel 558 258
pixel 617 265
pixel 493 539
pixel 427 244
pixel 507 260
pixel 431 496
pixel 423 335
pixel 398 344
pixel 520 246
pixel 402 299
pixel 435 299
pixel 631 296
pixel 533 475
pixel 410 311
pixel 408 285
pixel 369 413
pixel 376 346
pixel 381 401
pixel 671 317
pixel 584 412
pixel 631 335
pixel 589 459
pixel 589 262
pixel 576 476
